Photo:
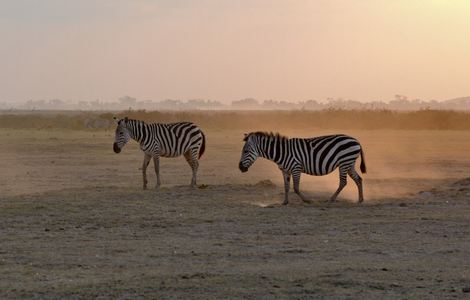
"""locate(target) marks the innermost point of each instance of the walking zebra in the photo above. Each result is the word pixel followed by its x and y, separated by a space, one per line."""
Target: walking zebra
pixel 162 140
pixel 314 156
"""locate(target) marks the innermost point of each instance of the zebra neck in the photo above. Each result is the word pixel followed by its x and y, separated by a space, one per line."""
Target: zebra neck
pixel 274 150
pixel 137 131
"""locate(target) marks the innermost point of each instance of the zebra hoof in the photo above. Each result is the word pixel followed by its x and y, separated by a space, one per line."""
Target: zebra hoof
pixel 285 202
pixel 144 187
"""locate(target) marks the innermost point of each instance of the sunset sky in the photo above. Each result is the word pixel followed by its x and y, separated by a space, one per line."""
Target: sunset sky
pixel 227 50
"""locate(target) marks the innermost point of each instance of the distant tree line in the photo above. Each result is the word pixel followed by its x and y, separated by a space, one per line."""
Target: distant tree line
pixel 399 102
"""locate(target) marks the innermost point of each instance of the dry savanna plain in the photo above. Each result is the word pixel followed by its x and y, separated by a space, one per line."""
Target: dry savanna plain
pixel 76 224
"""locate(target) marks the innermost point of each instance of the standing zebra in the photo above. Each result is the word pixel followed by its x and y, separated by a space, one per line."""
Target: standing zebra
pixel 166 140
pixel 314 156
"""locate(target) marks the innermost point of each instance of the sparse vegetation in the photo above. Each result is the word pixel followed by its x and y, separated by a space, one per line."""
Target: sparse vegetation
pixel 426 119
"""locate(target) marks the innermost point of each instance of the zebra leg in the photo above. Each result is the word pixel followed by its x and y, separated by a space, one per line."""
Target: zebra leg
pixel 144 169
pixel 156 164
pixel 296 178
pixel 286 187
pixel 358 180
pixel 342 183
pixel 191 158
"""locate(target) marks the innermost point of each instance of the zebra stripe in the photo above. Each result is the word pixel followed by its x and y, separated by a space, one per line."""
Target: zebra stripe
pixel 162 140
pixel 315 156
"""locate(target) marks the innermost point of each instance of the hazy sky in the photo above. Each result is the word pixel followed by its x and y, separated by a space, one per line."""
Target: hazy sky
pixel 227 50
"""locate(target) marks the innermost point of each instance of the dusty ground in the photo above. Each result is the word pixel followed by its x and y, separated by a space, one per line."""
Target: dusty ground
pixel 74 222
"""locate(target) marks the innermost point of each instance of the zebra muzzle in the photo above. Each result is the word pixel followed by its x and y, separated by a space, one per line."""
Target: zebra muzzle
pixel 242 168
pixel 116 148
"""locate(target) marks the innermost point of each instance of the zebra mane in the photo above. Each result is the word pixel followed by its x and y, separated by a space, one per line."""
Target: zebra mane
pixel 127 120
pixel 271 135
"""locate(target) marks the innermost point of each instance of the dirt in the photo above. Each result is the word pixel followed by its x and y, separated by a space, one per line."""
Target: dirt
pixel 76 224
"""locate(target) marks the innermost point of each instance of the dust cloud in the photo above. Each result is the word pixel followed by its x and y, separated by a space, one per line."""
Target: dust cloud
pixel 399 162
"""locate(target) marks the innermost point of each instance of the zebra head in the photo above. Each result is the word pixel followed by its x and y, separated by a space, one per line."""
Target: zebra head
pixel 249 152
pixel 122 135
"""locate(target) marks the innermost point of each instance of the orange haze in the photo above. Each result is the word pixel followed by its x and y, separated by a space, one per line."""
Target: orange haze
pixel 228 50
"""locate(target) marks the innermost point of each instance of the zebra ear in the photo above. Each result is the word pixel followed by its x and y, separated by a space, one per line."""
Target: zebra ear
pixel 245 137
pixel 116 120
pixel 125 119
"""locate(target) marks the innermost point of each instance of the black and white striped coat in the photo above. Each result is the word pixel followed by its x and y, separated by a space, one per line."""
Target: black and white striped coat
pixel 162 140
pixel 314 156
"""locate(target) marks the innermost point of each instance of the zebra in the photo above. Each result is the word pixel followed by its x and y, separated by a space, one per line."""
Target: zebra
pixel 315 156
pixel 162 140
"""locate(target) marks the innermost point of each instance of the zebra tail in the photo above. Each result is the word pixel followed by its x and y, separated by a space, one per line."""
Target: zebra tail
pixel 363 163
pixel 203 145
